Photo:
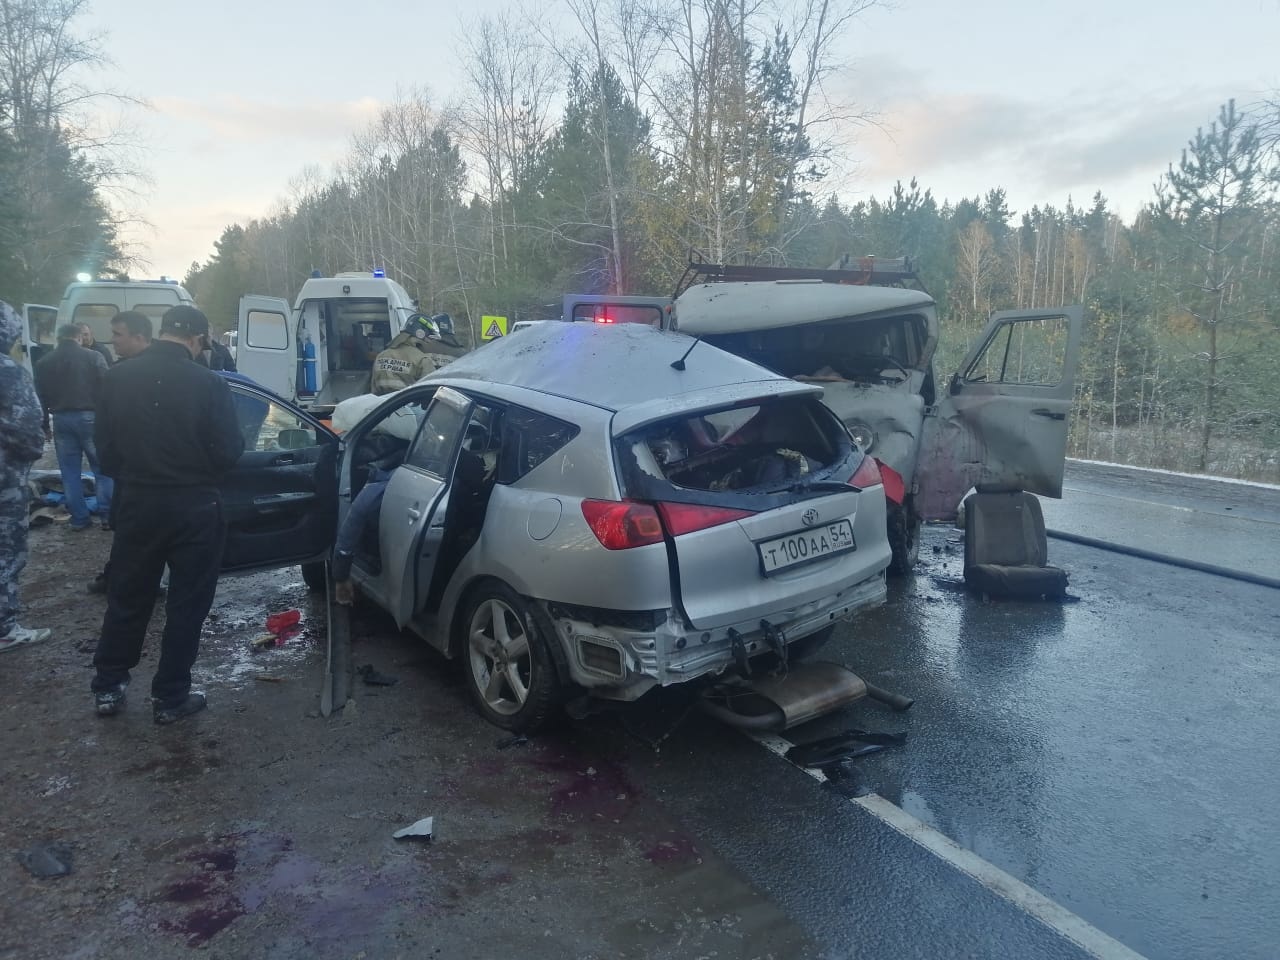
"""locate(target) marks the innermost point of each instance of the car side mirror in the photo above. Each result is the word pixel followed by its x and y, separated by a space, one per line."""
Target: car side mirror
pixel 956 382
pixel 295 439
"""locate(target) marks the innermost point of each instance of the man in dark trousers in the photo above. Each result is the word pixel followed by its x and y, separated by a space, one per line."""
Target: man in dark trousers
pixel 68 380
pixel 167 430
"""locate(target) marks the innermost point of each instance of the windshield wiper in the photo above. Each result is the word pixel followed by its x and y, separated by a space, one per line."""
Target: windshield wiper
pixel 835 486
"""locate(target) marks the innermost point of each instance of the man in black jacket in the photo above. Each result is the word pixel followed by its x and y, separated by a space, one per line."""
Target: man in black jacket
pixel 167 430
pixel 68 380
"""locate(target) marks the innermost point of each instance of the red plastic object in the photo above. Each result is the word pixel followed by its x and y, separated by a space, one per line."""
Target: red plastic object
pixel 894 489
pixel 277 622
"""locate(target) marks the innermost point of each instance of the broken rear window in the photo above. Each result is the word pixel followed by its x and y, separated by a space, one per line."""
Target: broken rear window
pixel 762 448
pixel 879 350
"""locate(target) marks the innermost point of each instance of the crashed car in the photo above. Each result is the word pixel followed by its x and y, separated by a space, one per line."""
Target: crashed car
pixel 574 509
pixel 998 424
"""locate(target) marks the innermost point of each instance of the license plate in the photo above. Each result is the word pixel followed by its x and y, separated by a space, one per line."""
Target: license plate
pixel 806 546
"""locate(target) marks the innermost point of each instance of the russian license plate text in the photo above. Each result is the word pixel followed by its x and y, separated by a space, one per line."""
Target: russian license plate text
pixel 797 548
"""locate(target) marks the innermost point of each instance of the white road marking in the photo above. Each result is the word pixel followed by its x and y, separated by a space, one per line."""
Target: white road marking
pixel 1053 915
pixel 1116 496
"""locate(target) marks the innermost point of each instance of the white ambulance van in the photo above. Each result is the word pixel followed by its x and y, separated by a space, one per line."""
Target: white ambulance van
pixel 320 350
pixel 95 302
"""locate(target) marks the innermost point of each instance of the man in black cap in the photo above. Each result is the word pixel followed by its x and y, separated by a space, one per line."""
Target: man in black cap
pixel 166 429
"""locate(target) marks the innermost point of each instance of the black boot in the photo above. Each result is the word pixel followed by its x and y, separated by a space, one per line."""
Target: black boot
pixel 170 713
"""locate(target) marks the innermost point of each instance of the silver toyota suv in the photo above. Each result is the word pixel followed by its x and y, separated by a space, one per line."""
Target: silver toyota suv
pixel 580 509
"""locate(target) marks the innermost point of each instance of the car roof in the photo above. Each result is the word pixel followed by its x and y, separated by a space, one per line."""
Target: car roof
pixel 741 307
pixel 614 367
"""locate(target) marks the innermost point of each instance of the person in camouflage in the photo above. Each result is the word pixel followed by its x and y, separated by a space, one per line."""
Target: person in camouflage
pixel 424 346
pixel 21 443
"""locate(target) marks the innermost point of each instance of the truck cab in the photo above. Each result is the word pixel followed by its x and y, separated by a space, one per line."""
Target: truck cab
pixel 604 308
pixel 320 350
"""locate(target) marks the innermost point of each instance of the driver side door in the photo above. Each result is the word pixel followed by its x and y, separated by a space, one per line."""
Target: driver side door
pixel 411 522
pixel 1003 424
pixel 280 500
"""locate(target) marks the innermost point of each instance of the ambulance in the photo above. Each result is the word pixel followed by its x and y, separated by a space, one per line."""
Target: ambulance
pixel 96 302
pixel 320 350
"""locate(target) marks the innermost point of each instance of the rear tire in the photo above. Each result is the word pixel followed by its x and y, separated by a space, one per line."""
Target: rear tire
pixel 314 575
pixel 507 659
pixel 904 539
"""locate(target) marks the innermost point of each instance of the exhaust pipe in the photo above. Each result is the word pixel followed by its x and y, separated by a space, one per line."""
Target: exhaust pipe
pixel 808 691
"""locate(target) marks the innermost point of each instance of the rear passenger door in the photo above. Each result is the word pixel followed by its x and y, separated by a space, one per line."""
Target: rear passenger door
pixel 280 501
pixel 411 523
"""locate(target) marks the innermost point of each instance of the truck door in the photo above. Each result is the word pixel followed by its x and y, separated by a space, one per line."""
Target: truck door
pixel 267 351
pixel 1003 422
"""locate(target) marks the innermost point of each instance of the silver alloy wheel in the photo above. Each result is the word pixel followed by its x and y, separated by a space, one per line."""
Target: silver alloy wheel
pixel 501 662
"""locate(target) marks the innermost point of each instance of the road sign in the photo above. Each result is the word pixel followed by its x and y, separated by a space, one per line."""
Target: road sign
pixel 491 328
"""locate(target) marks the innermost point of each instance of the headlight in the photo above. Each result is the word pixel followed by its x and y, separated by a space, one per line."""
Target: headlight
pixel 863 435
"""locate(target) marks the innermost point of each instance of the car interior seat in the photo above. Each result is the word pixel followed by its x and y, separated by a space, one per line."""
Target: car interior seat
pixel 1006 549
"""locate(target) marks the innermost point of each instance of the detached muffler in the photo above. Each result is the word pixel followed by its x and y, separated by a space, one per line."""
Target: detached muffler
pixel 803 693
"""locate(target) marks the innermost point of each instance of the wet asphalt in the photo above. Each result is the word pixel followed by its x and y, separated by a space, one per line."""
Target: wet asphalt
pixel 1115 753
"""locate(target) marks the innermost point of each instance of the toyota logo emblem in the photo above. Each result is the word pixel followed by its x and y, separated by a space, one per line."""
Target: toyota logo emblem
pixel 810 517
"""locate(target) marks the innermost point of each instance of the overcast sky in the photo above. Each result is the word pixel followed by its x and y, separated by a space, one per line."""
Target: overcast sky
pixel 1046 99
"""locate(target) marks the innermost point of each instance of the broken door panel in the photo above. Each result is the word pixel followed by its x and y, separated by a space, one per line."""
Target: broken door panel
pixel 1003 423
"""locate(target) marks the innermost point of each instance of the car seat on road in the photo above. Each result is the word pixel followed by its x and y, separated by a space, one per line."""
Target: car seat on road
pixel 1006 549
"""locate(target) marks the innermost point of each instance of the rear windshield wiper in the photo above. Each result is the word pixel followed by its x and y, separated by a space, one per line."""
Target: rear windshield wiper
pixel 834 486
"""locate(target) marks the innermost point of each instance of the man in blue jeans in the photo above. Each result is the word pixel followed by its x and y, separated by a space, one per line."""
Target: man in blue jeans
pixel 69 382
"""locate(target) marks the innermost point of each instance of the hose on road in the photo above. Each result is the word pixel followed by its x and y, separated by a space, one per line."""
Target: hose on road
pixel 1241 575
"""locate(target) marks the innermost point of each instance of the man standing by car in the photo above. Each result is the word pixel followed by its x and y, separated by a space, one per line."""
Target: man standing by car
pixel 21 443
pixel 130 335
pixel 424 346
pixel 168 431
pixel 69 380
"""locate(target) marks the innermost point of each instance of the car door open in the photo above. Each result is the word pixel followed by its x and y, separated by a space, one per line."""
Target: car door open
pixel 412 518
pixel 266 347
pixel 281 499
pixel 1003 422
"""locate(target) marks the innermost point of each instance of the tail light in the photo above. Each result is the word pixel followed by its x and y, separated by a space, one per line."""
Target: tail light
pixel 688 517
pixel 894 489
pixel 867 474
pixel 621 525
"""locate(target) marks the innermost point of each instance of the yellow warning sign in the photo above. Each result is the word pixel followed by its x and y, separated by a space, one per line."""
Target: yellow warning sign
pixel 491 328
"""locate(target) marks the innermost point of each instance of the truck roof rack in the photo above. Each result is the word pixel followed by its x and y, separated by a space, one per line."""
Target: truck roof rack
pixel 860 271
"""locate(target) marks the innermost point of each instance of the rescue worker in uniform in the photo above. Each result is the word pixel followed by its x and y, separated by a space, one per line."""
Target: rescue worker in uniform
pixel 21 443
pixel 167 431
pixel 424 346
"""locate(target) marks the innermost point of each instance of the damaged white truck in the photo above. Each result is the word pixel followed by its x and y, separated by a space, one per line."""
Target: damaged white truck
pixel 998 423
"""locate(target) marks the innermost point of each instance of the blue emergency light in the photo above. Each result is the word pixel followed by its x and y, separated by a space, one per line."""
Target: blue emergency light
pixel 379 274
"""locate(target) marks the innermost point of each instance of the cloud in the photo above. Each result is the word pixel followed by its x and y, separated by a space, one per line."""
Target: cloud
pixel 1079 143
pixel 240 120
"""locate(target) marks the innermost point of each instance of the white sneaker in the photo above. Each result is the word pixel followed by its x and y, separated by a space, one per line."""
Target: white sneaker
pixel 21 635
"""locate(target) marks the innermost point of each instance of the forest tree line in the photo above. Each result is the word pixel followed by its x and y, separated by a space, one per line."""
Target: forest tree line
pixel 56 169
